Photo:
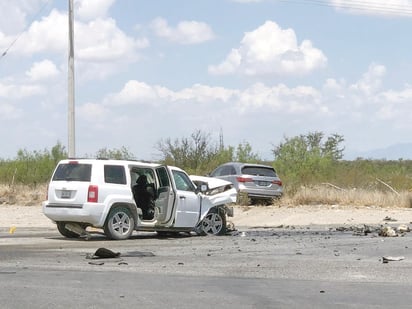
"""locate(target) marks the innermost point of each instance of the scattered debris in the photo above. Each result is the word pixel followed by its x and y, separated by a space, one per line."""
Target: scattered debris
pixel 389 219
pixel 403 228
pixel 381 230
pixel 386 259
pixel 387 231
pixel 77 229
pixel 103 253
pixel 362 231
pixel 230 227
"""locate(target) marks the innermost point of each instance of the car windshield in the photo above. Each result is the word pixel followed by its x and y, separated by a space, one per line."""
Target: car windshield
pixel 73 172
pixel 259 171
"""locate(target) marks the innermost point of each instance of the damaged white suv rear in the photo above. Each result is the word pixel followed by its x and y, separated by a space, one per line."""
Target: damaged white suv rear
pixel 104 194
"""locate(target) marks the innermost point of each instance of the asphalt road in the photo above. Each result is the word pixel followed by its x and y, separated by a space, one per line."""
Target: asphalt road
pixel 306 267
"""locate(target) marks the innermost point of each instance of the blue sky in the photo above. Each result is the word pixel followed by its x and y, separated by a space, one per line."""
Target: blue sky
pixel 255 70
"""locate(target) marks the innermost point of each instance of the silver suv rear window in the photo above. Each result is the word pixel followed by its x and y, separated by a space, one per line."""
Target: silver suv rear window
pixel 73 172
pixel 259 171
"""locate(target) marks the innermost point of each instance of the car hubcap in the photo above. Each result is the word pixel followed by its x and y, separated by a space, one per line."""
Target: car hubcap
pixel 212 224
pixel 121 223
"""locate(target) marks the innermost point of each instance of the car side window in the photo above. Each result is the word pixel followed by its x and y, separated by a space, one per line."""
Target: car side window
pixel 227 170
pixel 163 177
pixel 182 181
pixel 114 174
pixel 220 171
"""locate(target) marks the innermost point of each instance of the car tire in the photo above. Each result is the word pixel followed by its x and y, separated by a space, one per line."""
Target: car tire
pixel 214 223
pixel 61 226
pixel 119 224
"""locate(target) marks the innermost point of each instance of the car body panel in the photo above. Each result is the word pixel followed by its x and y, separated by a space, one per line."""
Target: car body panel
pixel 219 192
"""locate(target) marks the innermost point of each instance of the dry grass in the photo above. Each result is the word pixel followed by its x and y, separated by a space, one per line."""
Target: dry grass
pixel 321 195
pixel 22 195
pixel 317 195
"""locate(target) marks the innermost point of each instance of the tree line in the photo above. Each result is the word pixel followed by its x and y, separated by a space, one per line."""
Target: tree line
pixel 303 160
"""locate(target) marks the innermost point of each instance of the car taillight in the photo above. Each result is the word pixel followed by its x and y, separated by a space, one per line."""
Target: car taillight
pixel 277 182
pixel 93 194
pixel 244 179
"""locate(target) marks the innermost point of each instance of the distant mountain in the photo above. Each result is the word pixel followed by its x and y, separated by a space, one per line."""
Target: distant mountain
pixel 393 152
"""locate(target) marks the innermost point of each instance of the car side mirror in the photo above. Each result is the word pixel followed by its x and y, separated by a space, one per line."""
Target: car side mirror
pixel 203 188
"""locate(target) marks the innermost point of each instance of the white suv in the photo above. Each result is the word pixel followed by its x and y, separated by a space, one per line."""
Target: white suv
pixel 98 193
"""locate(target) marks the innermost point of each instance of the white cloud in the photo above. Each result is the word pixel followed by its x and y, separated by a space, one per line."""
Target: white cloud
pixel 9 112
pixel 271 50
pixel 98 40
pixel 100 46
pixel 258 96
pixel 102 41
pixel 14 14
pixel 204 93
pixel 47 35
pixel 42 70
pixel 91 9
pixel 403 96
pixel 95 111
pixel 135 92
pixel 395 106
pixel 186 32
pixel 375 7
pixel 371 81
pixel 16 92
pixel 281 98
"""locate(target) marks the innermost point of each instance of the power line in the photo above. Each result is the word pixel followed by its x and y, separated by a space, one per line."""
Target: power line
pixel 400 10
pixel 20 34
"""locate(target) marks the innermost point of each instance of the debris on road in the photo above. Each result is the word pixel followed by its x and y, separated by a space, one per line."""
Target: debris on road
pixel 403 228
pixel 382 230
pixel 386 259
pixel 387 231
pixel 389 219
pixel 103 253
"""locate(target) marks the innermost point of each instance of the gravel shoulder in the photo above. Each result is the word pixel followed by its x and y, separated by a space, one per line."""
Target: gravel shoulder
pixel 248 217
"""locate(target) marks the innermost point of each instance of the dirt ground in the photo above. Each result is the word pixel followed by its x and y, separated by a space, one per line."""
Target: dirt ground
pixel 249 216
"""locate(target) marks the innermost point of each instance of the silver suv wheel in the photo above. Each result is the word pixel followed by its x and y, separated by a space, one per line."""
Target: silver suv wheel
pixel 119 224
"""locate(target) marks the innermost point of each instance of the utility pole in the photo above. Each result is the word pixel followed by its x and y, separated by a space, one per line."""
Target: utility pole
pixel 71 113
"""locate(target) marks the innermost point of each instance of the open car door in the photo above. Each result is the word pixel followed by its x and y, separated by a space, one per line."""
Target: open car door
pixel 188 200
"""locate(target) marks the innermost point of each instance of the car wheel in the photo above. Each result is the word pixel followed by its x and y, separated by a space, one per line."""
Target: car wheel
pixel 61 226
pixel 119 224
pixel 213 224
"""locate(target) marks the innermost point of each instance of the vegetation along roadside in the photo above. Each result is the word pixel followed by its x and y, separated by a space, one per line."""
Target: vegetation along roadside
pixel 310 166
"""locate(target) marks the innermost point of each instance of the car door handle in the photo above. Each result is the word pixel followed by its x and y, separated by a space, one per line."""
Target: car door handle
pixel 182 197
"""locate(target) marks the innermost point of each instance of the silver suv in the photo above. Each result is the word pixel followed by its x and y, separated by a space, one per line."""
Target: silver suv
pixel 99 193
pixel 254 182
